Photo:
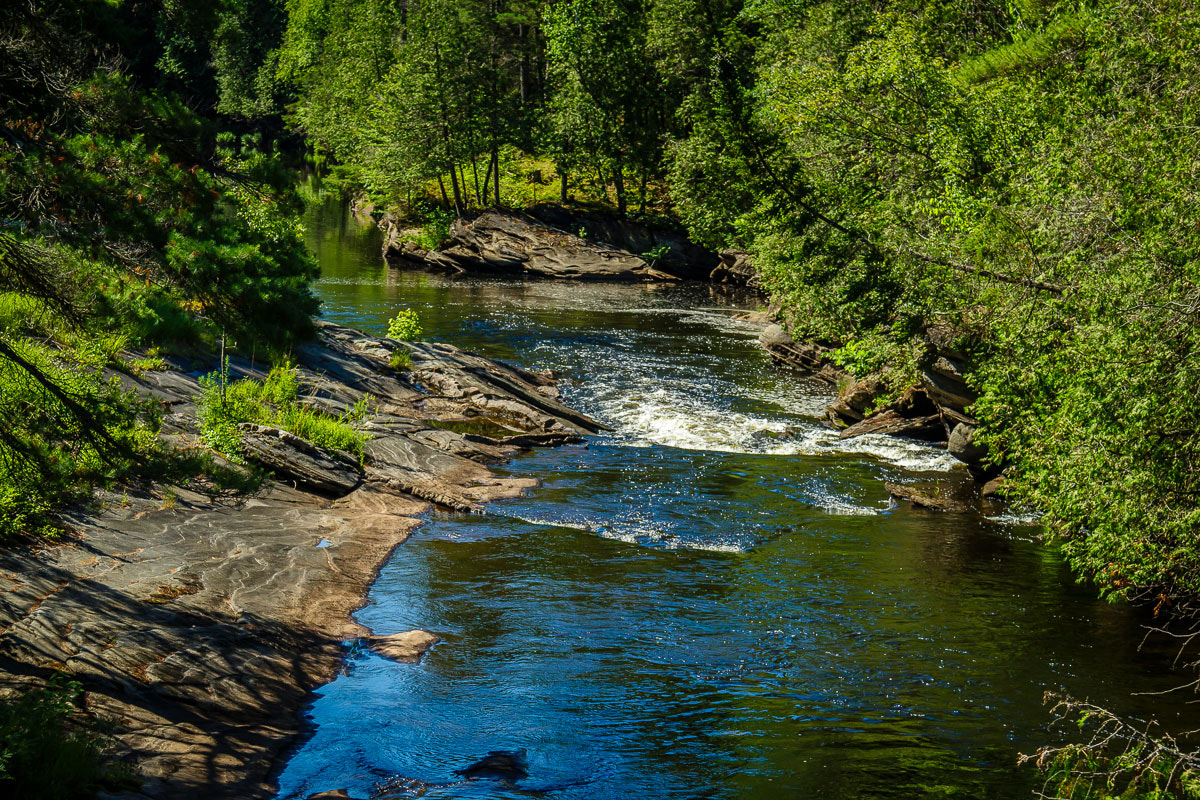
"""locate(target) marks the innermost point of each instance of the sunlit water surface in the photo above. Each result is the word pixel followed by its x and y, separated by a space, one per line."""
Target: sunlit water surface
pixel 713 601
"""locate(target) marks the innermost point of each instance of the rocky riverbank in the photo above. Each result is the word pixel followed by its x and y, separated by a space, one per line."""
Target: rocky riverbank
pixel 201 627
pixel 936 409
pixel 549 241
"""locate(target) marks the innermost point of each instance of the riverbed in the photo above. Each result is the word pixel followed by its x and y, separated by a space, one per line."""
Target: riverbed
pixel 713 600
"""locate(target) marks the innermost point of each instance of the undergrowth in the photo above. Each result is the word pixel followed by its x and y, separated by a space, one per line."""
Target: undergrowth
pixel 50 750
pixel 275 401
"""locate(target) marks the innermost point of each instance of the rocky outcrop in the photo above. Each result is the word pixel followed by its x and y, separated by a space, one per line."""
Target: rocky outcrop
pixel 936 410
pixel 808 356
pixel 295 461
pixel 680 257
pixel 913 416
pixel 552 242
pixel 200 626
pixel 855 400
pixel 511 243
pixel 735 268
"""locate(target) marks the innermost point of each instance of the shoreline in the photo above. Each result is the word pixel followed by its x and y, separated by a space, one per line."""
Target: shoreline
pixel 203 628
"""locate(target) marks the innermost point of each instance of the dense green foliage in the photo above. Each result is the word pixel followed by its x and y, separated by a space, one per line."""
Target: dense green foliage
pixel 128 217
pixel 49 750
pixel 276 402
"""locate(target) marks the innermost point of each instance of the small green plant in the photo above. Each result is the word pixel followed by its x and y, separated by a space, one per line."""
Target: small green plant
pixel 400 360
pixel 405 326
pixel 49 749
pixel 656 254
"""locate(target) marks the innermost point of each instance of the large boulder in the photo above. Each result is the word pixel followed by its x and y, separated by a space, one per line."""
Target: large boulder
pixel 962 445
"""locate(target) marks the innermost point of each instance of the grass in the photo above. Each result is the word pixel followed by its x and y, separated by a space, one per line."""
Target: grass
pixel 275 402
pixel 400 361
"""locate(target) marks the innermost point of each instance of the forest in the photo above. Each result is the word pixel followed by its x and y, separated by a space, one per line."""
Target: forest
pixel 1020 176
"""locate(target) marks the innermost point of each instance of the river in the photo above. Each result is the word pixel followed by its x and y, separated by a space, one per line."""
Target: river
pixel 714 600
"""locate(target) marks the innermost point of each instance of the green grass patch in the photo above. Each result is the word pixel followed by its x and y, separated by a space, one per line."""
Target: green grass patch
pixel 276 402
pixel 400 360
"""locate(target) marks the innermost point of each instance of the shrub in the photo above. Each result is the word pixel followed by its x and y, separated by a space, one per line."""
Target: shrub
pixel 405 326
pixel 48 750
pixel 274 401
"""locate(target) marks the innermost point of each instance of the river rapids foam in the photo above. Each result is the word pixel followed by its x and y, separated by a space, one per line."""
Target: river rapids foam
pixel 685 420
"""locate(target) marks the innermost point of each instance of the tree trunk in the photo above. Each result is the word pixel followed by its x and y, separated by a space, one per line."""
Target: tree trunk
pixel 475 174
pixel 524 59
pixel 487 180
pixel 496 169
pixel 458 204
pixel 619 185
pixel 442 186
pixel 562 186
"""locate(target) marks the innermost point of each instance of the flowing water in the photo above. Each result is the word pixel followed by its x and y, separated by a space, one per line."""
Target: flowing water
pixel 714 600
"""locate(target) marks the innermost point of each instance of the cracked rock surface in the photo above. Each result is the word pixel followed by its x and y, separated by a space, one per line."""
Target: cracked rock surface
pixel 202 627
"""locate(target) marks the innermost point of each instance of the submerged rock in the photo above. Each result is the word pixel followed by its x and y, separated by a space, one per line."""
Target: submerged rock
pixel 926 500
pixel 500 765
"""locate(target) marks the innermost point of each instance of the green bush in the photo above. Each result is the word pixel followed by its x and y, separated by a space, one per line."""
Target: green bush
pixel 50 751
pixel 405 326
pixel 273 401
pixel 436 228
pixel 66 429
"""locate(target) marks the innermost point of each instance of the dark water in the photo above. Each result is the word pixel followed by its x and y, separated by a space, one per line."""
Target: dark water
pixel 712 602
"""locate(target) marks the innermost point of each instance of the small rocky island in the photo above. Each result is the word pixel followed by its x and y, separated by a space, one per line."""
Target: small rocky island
pixel 202 626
